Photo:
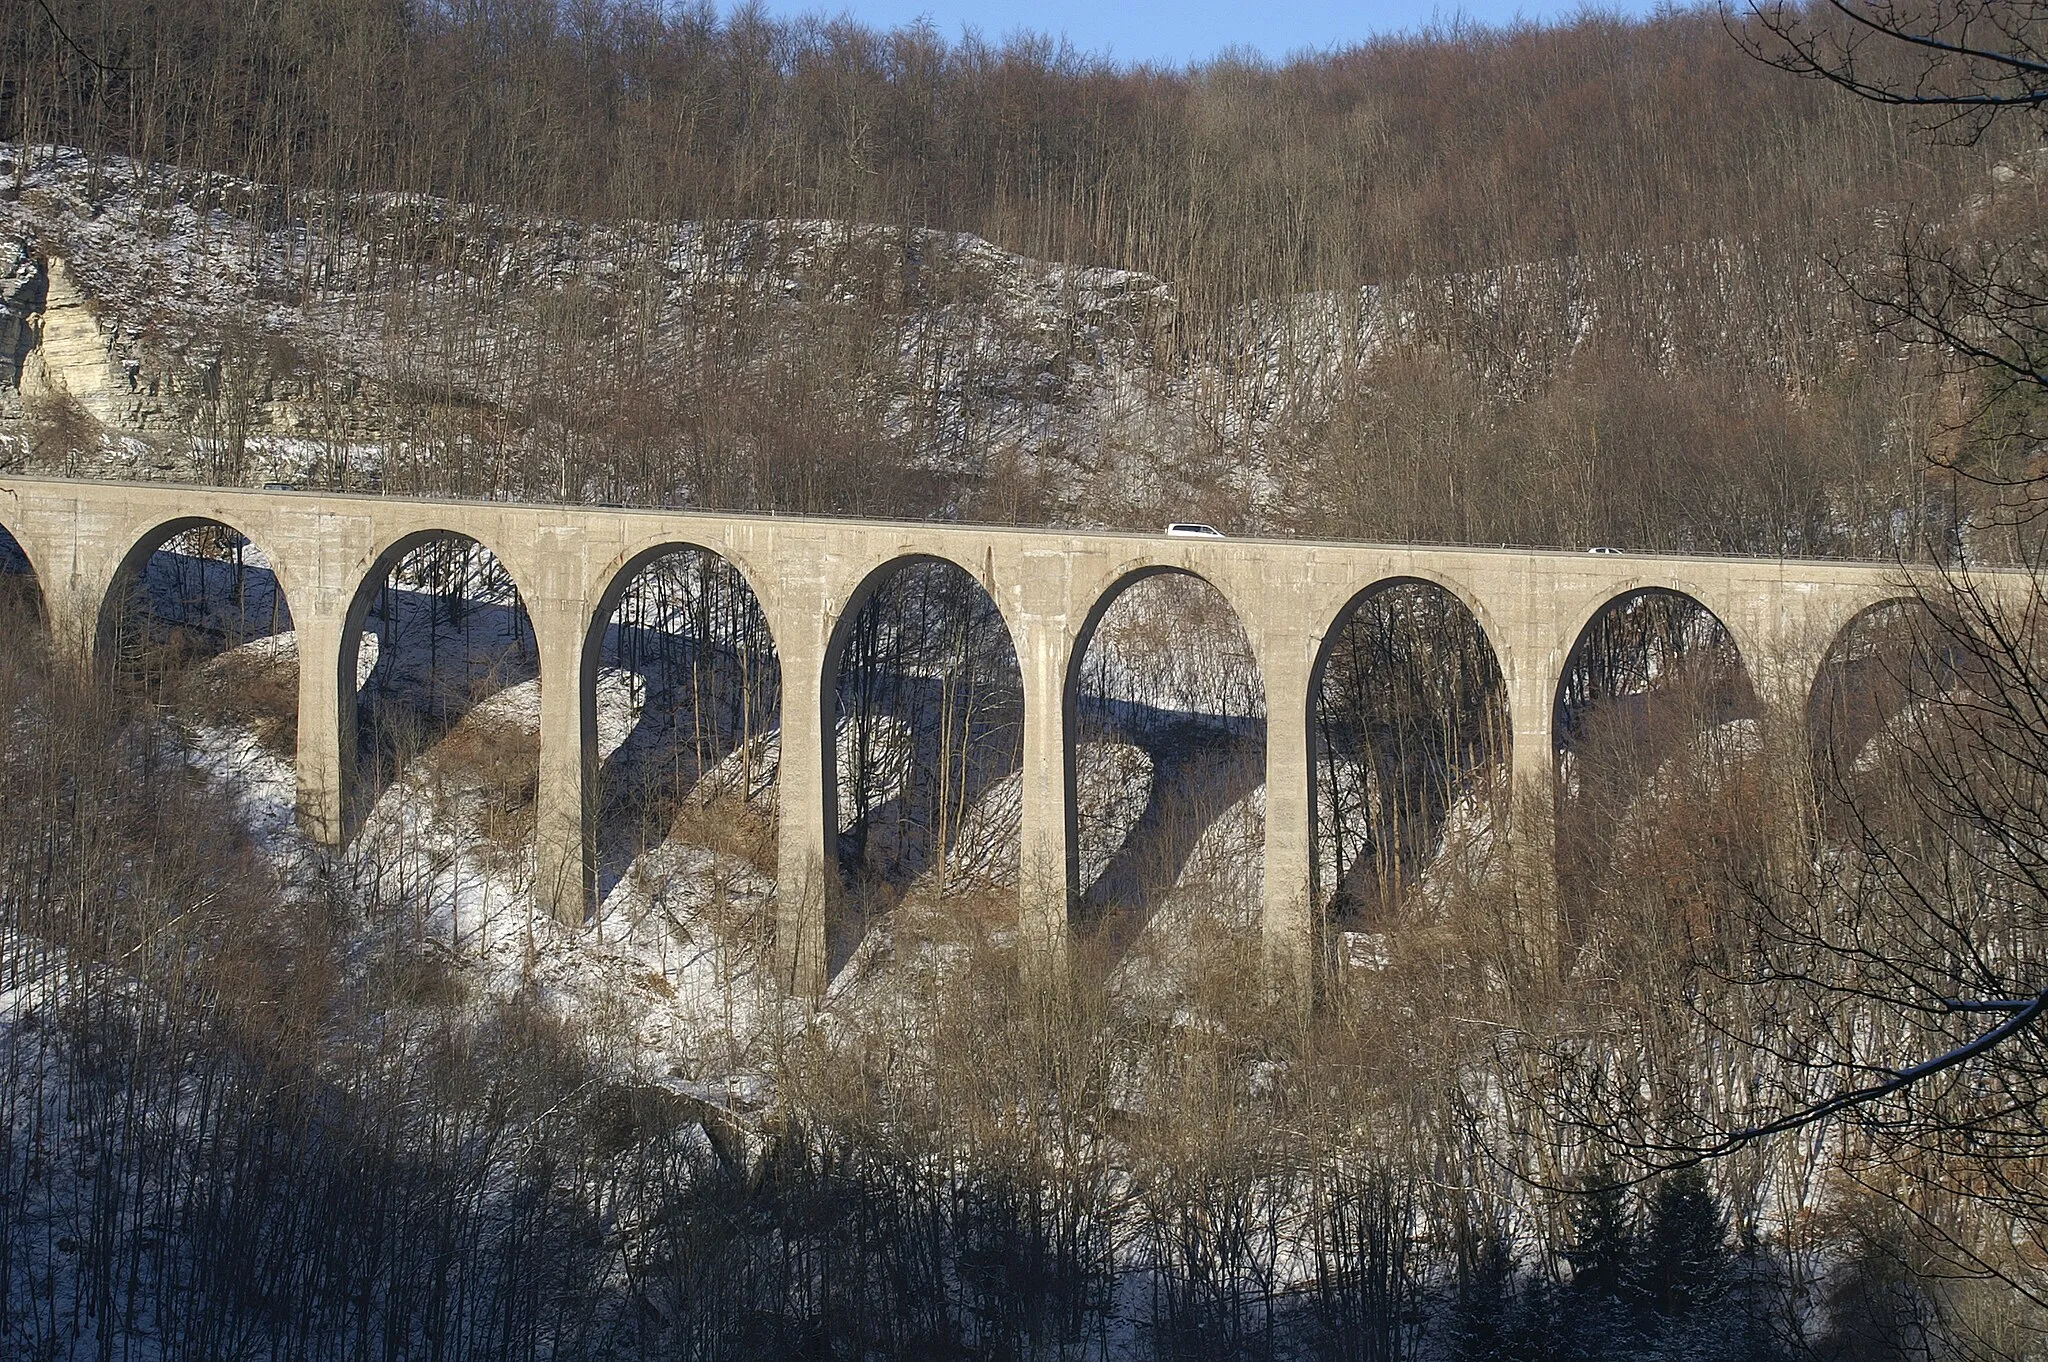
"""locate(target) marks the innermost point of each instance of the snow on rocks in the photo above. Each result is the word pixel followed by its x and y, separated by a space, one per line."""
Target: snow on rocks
pixel 1112 782
pixel 175 282
pixel 1214 901
pixel 985 852
pixel 674 954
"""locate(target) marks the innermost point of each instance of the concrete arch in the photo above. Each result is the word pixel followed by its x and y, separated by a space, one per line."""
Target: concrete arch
pixel 836 638
pixel 135 558
pixel 871 584
pixel 1357 601
pixel 1110 589
pixel 370 574
pixel 368 578
pixel 874 578
pixel 1611 594
pixel 37 578
pixel 609 582
pixel 1840 634
pixel 1644 726
pixel 1498 705
pixel 1815 696
pixel 1582 627
pixel 613 585
pixel 617 577
pixel 1341 605
pixel 1102 593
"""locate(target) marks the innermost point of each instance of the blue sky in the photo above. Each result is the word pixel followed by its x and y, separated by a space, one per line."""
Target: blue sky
pixel 1174 33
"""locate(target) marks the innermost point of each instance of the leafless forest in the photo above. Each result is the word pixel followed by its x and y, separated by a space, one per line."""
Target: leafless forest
pixel 1757 1080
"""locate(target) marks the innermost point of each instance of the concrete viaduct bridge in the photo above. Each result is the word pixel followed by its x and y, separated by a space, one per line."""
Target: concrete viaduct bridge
pixel 572 564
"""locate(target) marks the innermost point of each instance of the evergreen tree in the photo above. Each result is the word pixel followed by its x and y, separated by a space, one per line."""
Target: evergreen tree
pixel 1483 1314
pixel 1603 1240
pixel 1600 1315
pixel 1683 1254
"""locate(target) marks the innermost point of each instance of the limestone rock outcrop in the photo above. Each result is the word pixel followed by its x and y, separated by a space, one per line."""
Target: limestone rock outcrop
pixel 68 357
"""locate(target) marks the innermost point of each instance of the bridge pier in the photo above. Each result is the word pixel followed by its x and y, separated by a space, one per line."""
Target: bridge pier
pixel 1047 847
pixel 565 798
pixel 327 720
pixel 1788 791
pixel 77 604
pixel 807 859
pixel 1784 641
pixel 1532 663
pixel 72 612
pixel 1292 945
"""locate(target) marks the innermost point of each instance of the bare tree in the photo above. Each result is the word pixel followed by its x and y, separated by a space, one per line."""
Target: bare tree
pixel 1971 287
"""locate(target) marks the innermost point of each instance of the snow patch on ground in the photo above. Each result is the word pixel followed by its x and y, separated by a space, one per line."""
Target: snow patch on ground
pixel 1212 912
pixel 986 850
pixel 260 786
pixel 674 956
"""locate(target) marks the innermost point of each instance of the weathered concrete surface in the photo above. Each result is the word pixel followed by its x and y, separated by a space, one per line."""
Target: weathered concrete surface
pixel 811 576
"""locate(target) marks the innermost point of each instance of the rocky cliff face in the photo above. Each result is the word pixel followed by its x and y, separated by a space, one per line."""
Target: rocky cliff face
pixel 213 333
pixel 23 287
pixel 172 323
pixel 66 357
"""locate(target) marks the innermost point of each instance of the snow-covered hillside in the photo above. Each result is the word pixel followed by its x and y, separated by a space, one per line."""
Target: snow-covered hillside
pixel 206 327
pixel 184 311
pixel 676 953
